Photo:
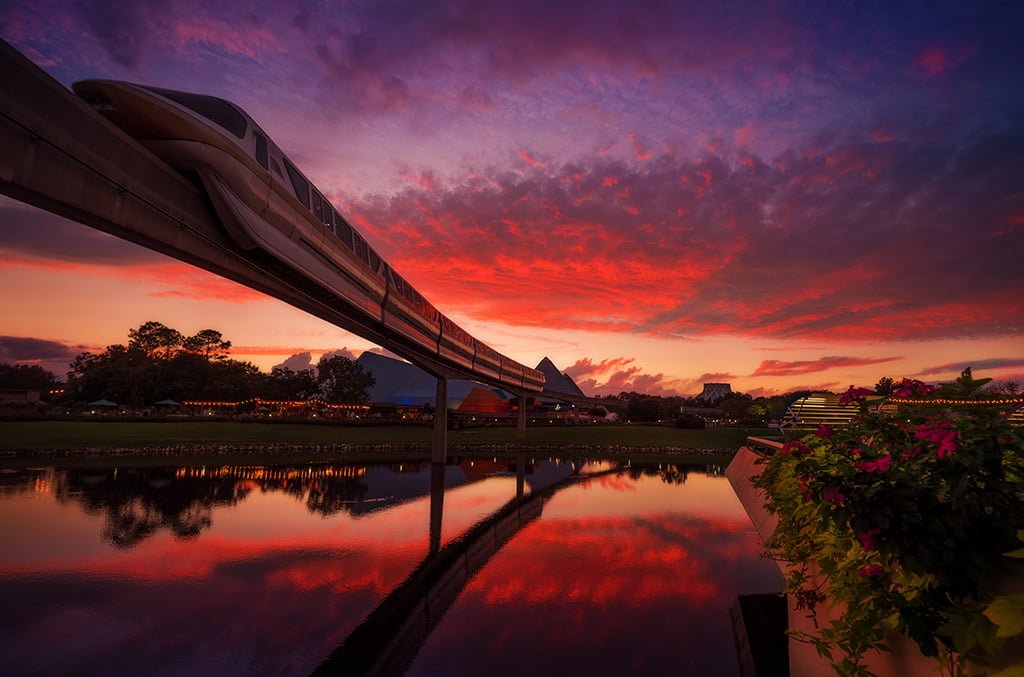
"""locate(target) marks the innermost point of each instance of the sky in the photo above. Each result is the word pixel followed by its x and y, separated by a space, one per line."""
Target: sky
pixel 652 194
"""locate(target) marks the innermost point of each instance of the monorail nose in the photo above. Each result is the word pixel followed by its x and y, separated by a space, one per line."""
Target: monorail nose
pixel 94 93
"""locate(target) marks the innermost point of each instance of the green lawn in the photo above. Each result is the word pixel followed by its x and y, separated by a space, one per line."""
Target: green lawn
pixel 27 435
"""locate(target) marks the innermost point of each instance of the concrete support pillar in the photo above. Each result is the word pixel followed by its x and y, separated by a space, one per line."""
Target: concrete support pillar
pixel 437 474
pixel 439 449
pixel 520 474
pixel 521 421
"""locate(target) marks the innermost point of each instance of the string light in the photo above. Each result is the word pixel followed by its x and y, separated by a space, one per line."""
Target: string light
pixel 275 403
pixel 1004 401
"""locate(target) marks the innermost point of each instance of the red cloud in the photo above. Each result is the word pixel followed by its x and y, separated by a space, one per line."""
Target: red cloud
pixel 179 279
pixel 782 368
pixel 976 365
pixel 715 376
pixel 530 159
pixel 769 392
pixel 731 250
pixel 586 366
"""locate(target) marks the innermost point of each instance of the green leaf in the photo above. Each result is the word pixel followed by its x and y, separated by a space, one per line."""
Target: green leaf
pixel 1007 612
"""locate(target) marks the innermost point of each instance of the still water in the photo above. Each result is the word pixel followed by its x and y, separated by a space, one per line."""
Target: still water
pixel 497 566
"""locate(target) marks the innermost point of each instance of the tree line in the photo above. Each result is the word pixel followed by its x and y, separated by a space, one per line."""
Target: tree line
pixel 159 362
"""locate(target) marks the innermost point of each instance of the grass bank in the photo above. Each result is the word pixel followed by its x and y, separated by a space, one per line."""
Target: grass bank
pixel 43 435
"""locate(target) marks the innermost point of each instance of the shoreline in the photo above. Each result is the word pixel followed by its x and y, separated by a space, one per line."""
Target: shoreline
pixel 284 449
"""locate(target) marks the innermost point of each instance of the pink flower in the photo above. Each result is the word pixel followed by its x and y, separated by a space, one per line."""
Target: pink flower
pixel 909 387
pixel 833 496
pixel 867 538
pixel 854 394
pixel 881 464
pixel 824 430
pixel 913 453
pixel 871 570
pixel 941 434
pixel 796 448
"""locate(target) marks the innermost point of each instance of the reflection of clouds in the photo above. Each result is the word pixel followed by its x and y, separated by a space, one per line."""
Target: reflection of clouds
pixel 262 613
pixel 617 483
pixel 576 591
pixel 631 561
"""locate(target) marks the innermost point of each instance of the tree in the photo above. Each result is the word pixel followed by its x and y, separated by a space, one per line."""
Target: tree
pixel 26 377
pixel 155 339
pixel 286 384
pixel 159 363
pixel 209 343
pixel 885 386
pixel 344 380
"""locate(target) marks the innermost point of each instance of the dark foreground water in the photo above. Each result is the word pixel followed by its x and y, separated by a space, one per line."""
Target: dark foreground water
pixel 560 568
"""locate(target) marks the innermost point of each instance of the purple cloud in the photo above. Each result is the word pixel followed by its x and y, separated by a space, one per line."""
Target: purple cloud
pixel 976 365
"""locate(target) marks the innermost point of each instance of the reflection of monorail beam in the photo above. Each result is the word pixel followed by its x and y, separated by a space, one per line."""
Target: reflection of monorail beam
pixel 388 640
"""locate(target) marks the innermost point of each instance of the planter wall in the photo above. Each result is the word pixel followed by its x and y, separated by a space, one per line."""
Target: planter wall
pixel 904 659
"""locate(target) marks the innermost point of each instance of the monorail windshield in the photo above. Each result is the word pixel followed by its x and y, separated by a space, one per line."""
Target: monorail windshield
pixel 213 109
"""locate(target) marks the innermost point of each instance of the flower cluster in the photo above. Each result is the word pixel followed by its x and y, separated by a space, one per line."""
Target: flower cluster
pixel 909 387
pixel 855 394
pixel 940 433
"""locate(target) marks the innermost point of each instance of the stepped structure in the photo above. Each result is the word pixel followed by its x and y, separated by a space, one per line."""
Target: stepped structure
pixel 558 381
pixel 715 391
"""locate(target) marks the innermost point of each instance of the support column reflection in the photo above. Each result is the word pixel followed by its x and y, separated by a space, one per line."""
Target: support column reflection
pixel 437 476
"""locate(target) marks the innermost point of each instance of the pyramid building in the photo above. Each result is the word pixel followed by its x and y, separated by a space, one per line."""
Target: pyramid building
pixel 557 381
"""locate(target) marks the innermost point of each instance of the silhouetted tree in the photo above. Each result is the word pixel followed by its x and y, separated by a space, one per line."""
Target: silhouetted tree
pixel 156 339
pixel 158 363
pixel 285 384
pixel 209 343
pixel 344 380
pixel 26 377
pixel 885 386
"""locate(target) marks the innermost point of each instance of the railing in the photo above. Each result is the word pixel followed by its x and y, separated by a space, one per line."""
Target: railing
pixel 763 446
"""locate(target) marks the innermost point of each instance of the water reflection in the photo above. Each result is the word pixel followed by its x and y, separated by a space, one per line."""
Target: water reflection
pixel 248 569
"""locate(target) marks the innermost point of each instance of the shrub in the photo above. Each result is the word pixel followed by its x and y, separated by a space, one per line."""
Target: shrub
pixel 690 422
pixel 903 519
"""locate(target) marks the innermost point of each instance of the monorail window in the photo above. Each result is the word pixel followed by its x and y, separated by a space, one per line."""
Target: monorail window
pixel 374 259
pixel 361 250
pixel 398 282
pixel 299 183
pixel 218 111
pixel 261 151
pixel 343 230
pixel 318 207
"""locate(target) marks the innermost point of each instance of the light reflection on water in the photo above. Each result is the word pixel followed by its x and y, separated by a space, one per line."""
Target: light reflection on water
pixel 267 570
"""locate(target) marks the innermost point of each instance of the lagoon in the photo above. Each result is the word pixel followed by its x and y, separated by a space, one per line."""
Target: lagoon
pixel 605 567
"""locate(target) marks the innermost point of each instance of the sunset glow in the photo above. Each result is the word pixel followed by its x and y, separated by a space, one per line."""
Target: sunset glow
pixel 653 195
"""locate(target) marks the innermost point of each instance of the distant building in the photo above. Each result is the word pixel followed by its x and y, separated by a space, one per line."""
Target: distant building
pixel 715 391
pixel 404 384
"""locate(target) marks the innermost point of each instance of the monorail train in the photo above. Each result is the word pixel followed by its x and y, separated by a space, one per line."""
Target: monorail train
pixel 266 203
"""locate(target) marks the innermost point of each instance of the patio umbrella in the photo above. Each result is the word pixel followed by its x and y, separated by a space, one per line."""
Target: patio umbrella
pixel 167 403
pixel 102 403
